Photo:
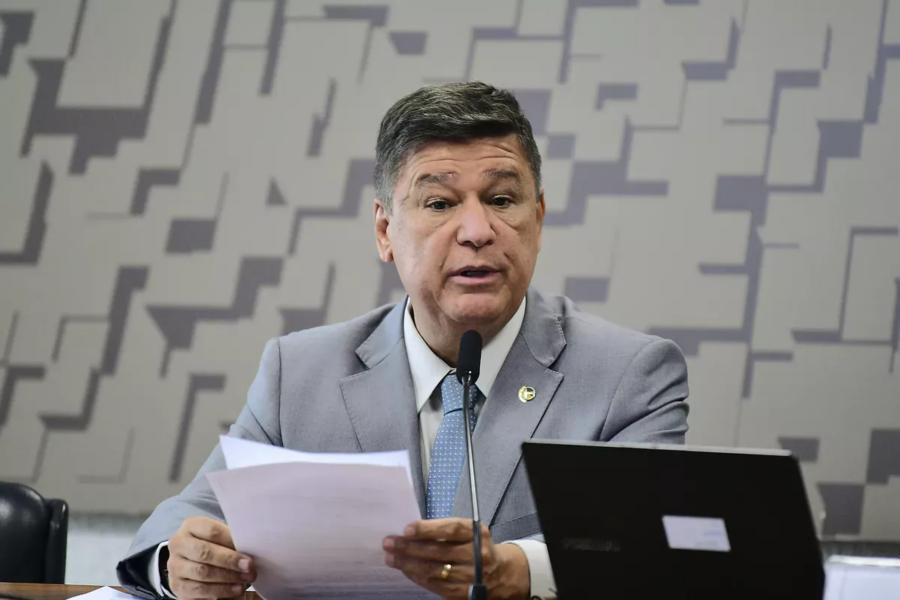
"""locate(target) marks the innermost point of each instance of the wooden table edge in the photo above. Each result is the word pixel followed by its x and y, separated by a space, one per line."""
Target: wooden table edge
pixel 58 591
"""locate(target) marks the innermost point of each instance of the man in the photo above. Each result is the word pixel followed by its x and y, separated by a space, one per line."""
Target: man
pixel 459 210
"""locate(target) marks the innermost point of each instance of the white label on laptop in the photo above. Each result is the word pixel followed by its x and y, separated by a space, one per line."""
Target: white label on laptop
pixel 696 533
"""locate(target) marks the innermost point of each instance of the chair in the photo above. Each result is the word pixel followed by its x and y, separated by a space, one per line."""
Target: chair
pixel 33 533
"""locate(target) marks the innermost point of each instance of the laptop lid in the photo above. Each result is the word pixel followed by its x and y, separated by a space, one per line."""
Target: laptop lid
pixel 660 521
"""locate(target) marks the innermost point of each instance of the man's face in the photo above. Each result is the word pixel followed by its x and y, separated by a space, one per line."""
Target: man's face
pixel 464 230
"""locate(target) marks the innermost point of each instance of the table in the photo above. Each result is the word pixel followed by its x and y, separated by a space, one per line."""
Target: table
pixel 46 591
pixel 58 591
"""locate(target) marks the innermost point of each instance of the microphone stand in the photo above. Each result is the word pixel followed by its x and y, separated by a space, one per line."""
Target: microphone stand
pixel 477 591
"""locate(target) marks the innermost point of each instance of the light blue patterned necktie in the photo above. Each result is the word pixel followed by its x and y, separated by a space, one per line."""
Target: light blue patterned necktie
pixel 449 452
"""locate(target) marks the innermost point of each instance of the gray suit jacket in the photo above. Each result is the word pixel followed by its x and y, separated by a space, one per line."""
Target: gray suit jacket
pixel 348 388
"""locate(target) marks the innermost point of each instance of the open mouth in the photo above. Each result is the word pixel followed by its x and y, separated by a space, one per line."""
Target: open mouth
pixel 475 274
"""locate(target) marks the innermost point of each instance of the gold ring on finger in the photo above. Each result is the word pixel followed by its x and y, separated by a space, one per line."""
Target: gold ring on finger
pixel 445 572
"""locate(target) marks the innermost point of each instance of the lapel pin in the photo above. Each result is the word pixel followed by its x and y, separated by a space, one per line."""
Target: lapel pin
pixel 526 394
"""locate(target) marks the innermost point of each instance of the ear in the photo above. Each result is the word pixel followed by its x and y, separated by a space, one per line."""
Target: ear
pixel 382 227
pixel 541 210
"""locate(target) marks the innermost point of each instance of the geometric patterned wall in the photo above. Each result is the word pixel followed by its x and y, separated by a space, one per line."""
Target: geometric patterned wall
pixel 181 180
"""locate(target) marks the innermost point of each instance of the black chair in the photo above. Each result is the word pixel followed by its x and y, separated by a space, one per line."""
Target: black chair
pixel 33 534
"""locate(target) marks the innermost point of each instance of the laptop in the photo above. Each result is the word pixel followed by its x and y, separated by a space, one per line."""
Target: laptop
pixel 661 521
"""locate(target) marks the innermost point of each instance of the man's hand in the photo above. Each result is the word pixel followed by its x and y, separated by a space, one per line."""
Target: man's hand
pixel 203 563
pixel 427 546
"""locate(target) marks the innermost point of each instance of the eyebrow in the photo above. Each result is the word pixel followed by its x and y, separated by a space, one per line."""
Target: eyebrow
pixel 502 174
pixel 433 179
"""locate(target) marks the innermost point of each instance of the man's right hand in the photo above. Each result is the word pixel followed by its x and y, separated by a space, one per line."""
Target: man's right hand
pixel 203 563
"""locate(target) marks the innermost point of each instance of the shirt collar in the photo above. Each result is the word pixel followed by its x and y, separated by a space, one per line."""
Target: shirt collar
pixel 428 370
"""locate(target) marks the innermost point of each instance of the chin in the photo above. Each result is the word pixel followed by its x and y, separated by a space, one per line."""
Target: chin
pixel 478 309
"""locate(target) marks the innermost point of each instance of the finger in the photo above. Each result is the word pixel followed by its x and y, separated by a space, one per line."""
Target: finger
pixel 196 571
pixel 418 569
pixel 443 552
pixel 211 554
pixel 210 530
pixel 451 530
pixel 187 588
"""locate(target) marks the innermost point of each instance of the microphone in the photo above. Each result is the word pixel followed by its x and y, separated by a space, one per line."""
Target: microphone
pixel 468 367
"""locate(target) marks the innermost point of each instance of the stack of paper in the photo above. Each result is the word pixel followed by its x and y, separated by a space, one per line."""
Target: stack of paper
pixel 314 523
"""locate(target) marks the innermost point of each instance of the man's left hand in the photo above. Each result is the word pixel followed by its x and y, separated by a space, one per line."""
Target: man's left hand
pixel 427 546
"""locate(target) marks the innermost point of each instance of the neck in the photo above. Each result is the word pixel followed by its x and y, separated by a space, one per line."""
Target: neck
pixel 443 335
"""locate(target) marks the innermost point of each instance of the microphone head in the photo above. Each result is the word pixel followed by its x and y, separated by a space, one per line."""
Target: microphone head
pixel 469 361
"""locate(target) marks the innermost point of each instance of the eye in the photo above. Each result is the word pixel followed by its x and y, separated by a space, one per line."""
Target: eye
pixel 501 201
pixel 437 204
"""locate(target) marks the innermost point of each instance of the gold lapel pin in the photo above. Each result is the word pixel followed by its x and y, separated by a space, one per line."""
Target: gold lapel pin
pixel 526 394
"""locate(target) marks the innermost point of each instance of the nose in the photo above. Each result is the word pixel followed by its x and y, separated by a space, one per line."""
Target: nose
pixel 474 226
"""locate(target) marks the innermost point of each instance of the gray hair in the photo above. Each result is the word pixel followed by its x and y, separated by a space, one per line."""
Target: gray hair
pixel 452 112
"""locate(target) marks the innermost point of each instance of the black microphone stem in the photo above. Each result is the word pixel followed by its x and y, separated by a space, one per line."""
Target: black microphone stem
pixel 478 591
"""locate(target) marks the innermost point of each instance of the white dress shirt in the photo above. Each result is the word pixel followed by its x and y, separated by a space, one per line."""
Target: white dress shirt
pixel 428 370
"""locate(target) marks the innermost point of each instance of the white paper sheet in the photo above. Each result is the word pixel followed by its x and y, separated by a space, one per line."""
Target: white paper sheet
pixel 104 593
pixel 241 453
pixel 315 525
pixel 862 579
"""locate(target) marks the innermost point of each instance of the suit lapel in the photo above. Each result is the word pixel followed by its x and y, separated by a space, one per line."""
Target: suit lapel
pixel 381 400
pixel 505 421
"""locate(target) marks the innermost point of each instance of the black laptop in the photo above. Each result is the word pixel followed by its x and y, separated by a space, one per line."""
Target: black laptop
pixel 659 521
